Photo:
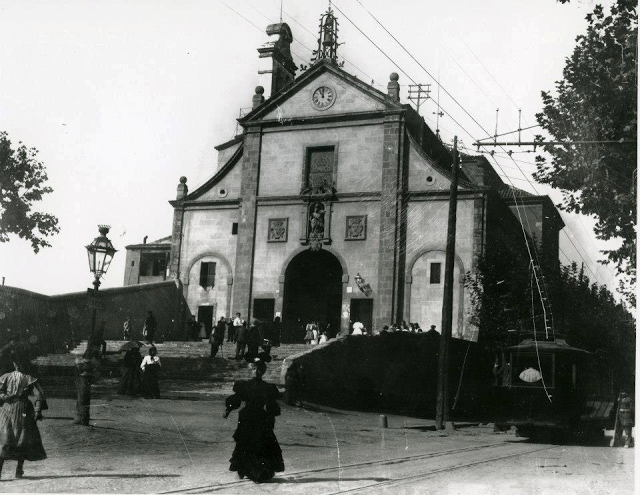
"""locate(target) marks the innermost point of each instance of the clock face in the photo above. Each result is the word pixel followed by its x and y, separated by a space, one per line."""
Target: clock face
pixel 323 97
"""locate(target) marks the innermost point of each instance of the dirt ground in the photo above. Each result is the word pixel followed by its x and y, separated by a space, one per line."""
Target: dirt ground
pixel 183 446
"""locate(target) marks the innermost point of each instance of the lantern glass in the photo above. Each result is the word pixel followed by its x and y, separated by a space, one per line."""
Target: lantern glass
pixel 100 253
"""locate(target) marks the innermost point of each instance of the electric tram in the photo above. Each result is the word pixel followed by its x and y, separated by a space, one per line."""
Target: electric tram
pixel 545 386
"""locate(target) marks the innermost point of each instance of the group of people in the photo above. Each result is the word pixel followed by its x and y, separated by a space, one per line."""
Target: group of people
pixel 314 335
pixel 148 329
pixel 140 375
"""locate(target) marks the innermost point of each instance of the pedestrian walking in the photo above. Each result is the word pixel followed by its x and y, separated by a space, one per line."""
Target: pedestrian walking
pixel 19 435
pixel 130 380
pixel 126 329
pixel 216 339
pixel 257 454
pixel 150 326
pixel 150 367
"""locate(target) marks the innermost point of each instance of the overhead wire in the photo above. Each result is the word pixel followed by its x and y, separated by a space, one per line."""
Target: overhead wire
pixel 446 91
pixel 413 80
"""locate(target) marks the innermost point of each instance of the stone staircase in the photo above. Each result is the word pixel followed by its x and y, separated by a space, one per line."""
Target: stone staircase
pixel 187 369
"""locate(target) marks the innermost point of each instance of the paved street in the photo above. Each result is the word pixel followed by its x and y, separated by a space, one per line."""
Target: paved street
pixel 183 446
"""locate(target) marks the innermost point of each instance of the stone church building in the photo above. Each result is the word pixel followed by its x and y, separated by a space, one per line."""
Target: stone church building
pixel 332 205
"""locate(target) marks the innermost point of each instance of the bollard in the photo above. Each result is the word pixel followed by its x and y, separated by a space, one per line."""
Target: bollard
pixel 383 421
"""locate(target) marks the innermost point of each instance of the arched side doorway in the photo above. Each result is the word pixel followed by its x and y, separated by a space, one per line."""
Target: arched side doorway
pixel 312 291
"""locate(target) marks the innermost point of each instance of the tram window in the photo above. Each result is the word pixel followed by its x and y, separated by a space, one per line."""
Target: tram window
pixel 529 361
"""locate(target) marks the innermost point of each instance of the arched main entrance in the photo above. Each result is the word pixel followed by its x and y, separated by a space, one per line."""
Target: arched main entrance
pixel 312 291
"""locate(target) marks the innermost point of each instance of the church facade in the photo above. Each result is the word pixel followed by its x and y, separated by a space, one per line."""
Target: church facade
pixel 332 206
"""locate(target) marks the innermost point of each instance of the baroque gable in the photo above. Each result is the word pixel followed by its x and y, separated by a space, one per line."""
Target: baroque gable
pixel 323 90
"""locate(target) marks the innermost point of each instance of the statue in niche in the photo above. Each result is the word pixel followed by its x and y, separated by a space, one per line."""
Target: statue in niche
pixel 316 220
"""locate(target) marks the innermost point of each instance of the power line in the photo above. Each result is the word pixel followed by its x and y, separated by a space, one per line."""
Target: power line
pixel 417 62
pixel 394 63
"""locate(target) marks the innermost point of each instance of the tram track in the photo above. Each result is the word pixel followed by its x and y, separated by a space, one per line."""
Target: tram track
pixel 433 472
pixel 302 474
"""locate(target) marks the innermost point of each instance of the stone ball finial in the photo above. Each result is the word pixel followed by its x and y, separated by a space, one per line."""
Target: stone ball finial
pixel 259 90
pixel 394 76
pixel 183 180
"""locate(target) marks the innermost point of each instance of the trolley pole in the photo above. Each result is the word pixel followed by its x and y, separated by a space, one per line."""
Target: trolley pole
pixel 442 399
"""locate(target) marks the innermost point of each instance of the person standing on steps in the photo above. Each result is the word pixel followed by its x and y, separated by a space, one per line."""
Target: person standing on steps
pixel 238 322
pixel 253 338
pixel 216 339
pixel 150 325
pixel 126 329
pixel 241 340
pixel 19 435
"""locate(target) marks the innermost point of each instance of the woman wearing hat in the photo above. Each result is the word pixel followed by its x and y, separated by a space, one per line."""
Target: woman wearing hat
pixel 19 435
pixel 257 454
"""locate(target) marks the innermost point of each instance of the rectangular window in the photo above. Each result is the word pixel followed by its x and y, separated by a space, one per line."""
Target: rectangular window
pixel 159 266
pixel 320 167
pixel 152 265
pixel 434 278
pixel 234 228
pixel 207 274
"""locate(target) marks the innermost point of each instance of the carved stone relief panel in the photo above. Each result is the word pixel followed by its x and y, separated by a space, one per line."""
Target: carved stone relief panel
pixel 356 228
pixel 278 230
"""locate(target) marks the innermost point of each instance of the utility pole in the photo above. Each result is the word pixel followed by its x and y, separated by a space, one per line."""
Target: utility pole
pixel 419 94
pixel 442 399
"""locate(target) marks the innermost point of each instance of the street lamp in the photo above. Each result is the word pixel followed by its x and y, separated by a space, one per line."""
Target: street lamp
pixel 100 253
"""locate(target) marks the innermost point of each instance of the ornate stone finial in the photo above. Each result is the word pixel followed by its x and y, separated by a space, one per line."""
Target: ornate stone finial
pixel 393 87
pixel 328 38
pixel 258 98
pixel 277 69
pixel 182 188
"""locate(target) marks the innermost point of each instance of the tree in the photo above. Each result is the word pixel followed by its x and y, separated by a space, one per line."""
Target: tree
pixel 591 319
pixel 597 101
pixel 22 179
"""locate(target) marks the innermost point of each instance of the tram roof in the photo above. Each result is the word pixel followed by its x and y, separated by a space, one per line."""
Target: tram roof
pixel 558 346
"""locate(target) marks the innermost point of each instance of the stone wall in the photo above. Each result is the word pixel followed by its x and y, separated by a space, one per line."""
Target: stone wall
pixel 393 372
pixel 50 321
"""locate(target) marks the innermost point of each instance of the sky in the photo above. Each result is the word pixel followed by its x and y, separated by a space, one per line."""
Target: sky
pixel 121 98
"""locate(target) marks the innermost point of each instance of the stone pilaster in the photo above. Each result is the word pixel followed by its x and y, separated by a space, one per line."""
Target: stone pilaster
pixel 242 280
pixel 176 230
pixel 392 215
pixel 479 232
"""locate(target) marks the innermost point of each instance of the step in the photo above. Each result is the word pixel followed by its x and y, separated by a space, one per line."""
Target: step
pixel 187 361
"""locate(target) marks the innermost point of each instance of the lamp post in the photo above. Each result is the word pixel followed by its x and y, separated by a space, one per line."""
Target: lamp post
pixel 100 253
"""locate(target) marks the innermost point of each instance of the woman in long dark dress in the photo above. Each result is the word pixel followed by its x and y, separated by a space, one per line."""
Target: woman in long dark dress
pixel 257 454
pixel 130 381
pixel 19 435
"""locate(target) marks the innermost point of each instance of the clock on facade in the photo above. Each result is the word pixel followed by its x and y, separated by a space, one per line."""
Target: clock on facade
pixel 323 97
